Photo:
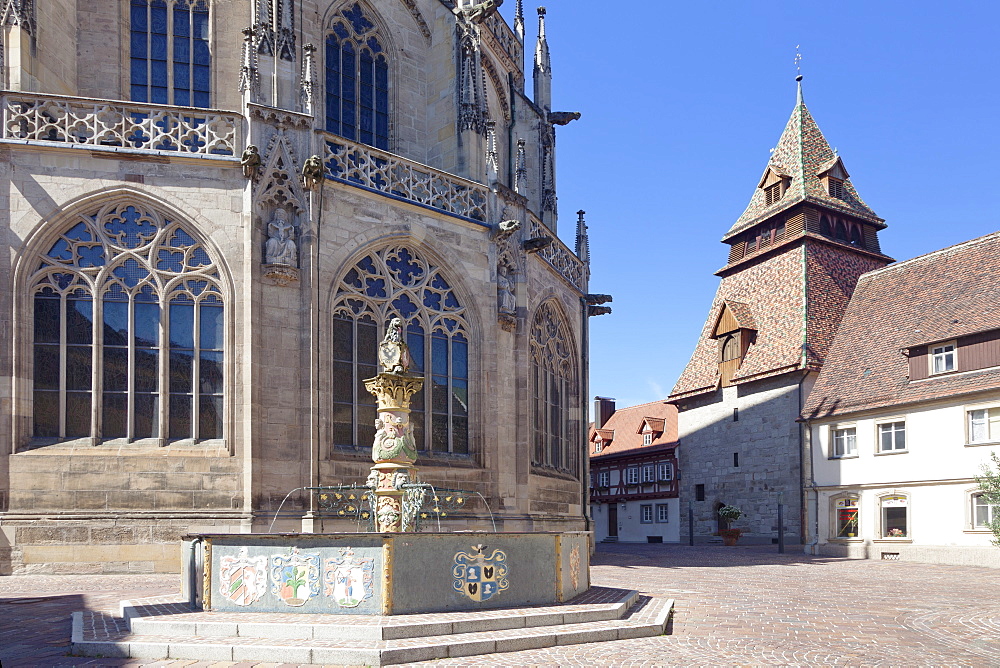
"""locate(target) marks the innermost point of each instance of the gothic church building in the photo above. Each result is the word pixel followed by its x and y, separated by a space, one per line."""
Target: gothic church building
pixel 795 256
pixel 212 209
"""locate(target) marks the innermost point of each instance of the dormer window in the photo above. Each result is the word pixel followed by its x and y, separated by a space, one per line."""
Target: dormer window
pixel 735 331
pixel 835 187
pixel 647 439
pixel 772 194
pixel 598 446
pixel 943 358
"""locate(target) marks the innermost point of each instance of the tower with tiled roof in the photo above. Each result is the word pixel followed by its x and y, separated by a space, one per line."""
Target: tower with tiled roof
pixel 795 255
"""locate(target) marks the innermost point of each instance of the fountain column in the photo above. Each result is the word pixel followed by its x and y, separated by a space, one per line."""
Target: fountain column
pixel 394 450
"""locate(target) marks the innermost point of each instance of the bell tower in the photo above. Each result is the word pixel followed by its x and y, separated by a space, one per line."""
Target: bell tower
pixel 795 255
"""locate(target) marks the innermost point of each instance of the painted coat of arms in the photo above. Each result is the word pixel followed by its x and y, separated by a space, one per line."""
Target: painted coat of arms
pixel 242 578
pixel 479 577
pixel 347 579
pixel 295 576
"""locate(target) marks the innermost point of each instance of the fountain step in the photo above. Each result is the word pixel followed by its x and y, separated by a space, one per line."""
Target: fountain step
pixel 167 616
pixel 97 634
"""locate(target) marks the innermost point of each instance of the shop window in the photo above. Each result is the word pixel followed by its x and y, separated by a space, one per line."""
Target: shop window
pixel 895 512
pixel 846 517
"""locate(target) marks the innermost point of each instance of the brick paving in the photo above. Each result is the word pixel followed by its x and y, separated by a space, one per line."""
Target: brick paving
pixel 733 607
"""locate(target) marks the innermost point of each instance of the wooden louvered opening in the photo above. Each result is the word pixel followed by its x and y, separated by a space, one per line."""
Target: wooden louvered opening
pixel 836 188
pixel 772 194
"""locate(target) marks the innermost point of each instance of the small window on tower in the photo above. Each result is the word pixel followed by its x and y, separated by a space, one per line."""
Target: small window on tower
pixel 836 188
pixel 772 194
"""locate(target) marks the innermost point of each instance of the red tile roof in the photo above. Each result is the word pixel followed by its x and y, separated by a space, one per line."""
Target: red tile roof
pixel 943 295
pixel 625 424
pixel 803 153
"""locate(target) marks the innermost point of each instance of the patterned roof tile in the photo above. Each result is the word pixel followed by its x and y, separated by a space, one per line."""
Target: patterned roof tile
pixel 802 153
pixel 943 295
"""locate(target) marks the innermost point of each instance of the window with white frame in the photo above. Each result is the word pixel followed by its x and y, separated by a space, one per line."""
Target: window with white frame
pixel 632 476
pixel 646 513
pixel 943 358
pixel 662 512
pixel 894 511
pixel 844 442
pixel 984 514
pixel 648 473
pixel 665 471
pixel 846 517
pixel 984 425
pixel 598 446
pixel 604 479
pixel 647 439
pixel 891 436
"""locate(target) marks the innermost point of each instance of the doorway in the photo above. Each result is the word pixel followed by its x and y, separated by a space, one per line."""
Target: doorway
pixel 612 520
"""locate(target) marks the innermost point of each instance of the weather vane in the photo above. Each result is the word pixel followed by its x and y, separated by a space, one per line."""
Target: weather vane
pixel 798 62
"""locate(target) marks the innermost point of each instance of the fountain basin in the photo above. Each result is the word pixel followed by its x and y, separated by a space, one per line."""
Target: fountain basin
pixel 383 573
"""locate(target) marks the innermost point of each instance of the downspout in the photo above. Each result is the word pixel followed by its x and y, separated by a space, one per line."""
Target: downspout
pixel 582 442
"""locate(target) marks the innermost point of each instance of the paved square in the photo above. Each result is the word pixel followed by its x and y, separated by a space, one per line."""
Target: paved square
pixel 734 606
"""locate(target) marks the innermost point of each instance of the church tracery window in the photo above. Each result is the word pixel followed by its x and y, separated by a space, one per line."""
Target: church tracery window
pixel 128 332
pixel 396 282
pixel 553 391
pixel 170 52
pixel 357 80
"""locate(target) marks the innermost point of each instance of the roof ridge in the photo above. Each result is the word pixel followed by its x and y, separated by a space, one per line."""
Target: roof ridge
pixel 925 256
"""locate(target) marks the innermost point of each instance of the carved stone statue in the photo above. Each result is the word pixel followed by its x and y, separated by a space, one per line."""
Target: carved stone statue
pixel 507 228
pixel 506 301
pixel 563 117
pixel 250 161
pixel 312 172
pixel 393 353
pixel 280 248
pixel 394 438
pixel 478 12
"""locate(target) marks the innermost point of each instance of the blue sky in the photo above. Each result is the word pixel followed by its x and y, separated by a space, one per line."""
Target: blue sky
pixel 681 103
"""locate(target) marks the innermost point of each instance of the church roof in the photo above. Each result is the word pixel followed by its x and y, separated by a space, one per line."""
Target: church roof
pixel 944 295
pixel 803 154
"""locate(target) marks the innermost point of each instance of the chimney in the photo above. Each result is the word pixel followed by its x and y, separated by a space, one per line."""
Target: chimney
pixel 604 408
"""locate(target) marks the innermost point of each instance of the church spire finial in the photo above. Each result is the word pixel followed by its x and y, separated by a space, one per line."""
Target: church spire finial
pixel 543 66
pixel 519 20
pixel 798 75
pixel 582 238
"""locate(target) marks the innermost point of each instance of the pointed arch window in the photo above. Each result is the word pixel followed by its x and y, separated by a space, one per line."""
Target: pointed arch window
pixel 357 79
pixel 554 392
pixel 128 332
pixel 395 282
pixel 170 56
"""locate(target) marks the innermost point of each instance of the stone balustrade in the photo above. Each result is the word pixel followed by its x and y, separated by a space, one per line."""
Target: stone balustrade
pixel 388 173
pixel 133 126
pixel 558 256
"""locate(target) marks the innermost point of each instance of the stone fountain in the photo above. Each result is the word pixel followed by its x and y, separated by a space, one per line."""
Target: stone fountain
pixel 368 594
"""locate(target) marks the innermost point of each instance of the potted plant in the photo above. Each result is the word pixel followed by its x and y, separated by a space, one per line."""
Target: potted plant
pixel 730 514
pixel 730 536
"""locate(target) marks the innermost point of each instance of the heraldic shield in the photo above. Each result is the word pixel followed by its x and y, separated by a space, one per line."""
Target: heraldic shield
pixel 243 579
pixel 347 579
pixel 479 577
pixel 295 576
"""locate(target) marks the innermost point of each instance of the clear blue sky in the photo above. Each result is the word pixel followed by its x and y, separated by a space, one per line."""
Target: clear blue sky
pixel 681 102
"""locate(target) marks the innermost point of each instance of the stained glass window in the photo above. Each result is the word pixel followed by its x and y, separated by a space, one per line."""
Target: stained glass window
pixel 170 55
pixel 554 392
pixel 357 80
pixel 396 282
pixel 128 323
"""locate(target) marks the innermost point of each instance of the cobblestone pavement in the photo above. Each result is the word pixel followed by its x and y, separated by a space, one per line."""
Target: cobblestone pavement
pixel 742 606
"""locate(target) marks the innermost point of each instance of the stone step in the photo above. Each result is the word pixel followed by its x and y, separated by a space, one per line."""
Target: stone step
pixel 97 634
pixel 175 618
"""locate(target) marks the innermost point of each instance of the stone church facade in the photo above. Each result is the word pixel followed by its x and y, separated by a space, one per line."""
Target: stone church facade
pixel 795 256
pixel 212 209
